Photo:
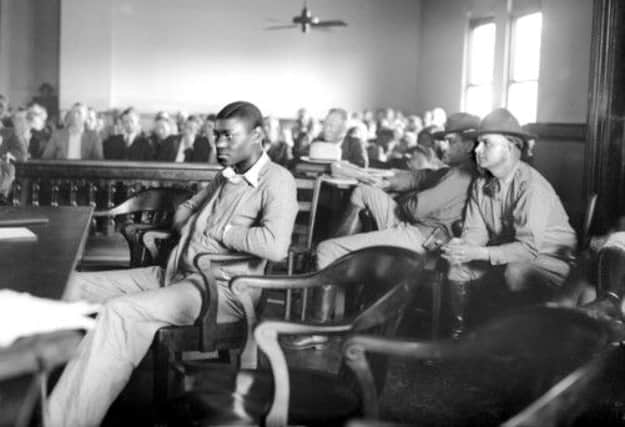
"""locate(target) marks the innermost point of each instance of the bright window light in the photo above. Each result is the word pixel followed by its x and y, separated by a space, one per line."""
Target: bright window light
pixel 478 96
pixel 524 67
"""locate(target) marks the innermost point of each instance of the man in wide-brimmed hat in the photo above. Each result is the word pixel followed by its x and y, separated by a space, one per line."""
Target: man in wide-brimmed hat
pixel 428 199
pixel 515 224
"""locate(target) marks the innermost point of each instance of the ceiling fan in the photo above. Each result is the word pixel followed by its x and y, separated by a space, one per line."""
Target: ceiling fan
pixel 306 21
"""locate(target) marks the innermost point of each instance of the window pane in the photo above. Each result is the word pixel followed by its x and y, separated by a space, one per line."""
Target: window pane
pixel 522 100
pixel 481 54
pixel 526 47
pixel 479 100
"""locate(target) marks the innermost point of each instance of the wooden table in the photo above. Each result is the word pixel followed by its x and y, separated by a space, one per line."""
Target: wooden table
pixel 42 268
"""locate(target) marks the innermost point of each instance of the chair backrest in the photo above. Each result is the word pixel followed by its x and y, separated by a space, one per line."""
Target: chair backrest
pixel 307 200
pixel 151 199
pixel 370 278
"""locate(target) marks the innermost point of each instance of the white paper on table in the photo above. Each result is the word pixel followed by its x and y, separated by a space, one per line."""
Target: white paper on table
pixel 17 234
pixel 22 314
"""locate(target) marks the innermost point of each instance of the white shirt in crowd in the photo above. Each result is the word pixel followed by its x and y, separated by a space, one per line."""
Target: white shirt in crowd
pixel 73 147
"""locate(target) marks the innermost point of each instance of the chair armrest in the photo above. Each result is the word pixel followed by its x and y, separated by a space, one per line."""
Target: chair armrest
pixel 207 320
pixel 567 399
pixel 223 258
pixel 357 344
pixel 241 284
pixel 266 335
pixel 149 238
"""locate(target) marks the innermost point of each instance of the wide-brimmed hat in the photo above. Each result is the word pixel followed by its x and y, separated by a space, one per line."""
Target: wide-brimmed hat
pixel 502 121
pixel 462 123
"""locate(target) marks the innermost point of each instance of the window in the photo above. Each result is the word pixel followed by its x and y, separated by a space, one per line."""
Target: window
pixel 522 95
pixel 478 92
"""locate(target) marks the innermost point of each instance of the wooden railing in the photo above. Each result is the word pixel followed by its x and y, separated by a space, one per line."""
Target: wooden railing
pixel 100 184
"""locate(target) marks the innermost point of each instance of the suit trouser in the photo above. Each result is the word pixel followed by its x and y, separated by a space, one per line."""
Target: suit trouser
pixel 135 307
pixel 392 230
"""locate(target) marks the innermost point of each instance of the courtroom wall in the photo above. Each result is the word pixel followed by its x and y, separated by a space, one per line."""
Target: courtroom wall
pixel 29 47
pixel 565 54
pixel 200 54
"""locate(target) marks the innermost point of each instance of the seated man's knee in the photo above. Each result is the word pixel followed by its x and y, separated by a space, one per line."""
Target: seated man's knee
pixel 362 195
pixel 327 252
pixel 121 308
pixel 517 276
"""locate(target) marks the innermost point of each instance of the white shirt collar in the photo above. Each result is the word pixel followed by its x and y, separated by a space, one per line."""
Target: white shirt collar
pixel 251 175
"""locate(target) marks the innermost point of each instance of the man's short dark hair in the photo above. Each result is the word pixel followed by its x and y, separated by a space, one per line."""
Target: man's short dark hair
pixel 129 110
pixel 341 112
pixel 244 111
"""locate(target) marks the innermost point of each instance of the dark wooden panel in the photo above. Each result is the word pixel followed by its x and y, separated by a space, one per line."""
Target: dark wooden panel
pixel 100 184
pixel 605 157
pixel 569 132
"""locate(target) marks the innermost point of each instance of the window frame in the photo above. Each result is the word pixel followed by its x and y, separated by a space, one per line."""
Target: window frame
pixel 510 80
pixel 467 78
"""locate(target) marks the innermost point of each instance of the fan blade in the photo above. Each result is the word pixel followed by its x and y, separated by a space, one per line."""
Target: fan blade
pixel 330 23
pixel 281 27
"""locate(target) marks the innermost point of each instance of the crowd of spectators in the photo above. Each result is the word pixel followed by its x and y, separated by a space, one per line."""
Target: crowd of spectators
pixel 385 138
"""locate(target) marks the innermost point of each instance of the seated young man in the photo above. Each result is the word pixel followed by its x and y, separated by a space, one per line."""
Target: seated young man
pixel 427 199
pixel 515 225
pixel 249 207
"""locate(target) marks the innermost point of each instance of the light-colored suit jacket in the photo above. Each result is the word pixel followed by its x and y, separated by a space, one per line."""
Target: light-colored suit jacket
pixel 90 146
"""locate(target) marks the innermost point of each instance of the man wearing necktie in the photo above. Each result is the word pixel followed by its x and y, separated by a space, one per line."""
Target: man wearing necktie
pixel 249 207
pixel 515 226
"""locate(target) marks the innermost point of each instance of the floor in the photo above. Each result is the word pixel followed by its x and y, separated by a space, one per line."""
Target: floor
pixel 427 393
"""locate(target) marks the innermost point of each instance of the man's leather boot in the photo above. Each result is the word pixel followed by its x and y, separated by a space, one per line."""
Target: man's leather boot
pixel 459 300
pixel 349 223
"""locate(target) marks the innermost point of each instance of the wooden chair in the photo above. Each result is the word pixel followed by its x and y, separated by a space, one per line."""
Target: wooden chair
pixel 380 283
pixel 206 335
pixel 495 371
pixel 148 209
pixel 564 357
pixel 301 250
pixel 158 243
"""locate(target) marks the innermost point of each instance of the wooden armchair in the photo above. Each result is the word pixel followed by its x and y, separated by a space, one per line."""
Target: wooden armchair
pixel 548 364
pixel 380 283
pixel 496 371
pixel 206 335
pixel 147 210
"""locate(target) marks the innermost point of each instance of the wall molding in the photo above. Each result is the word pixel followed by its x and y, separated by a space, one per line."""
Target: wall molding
pixel 565 132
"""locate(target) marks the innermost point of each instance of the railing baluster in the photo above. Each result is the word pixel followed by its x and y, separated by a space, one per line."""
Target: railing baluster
pixel 73 191
pixel 54 196
pixel 35 193
pixel 92 189
pixel 17 193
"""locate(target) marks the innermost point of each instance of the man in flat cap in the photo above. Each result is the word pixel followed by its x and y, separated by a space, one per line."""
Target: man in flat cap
pixel 515 224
